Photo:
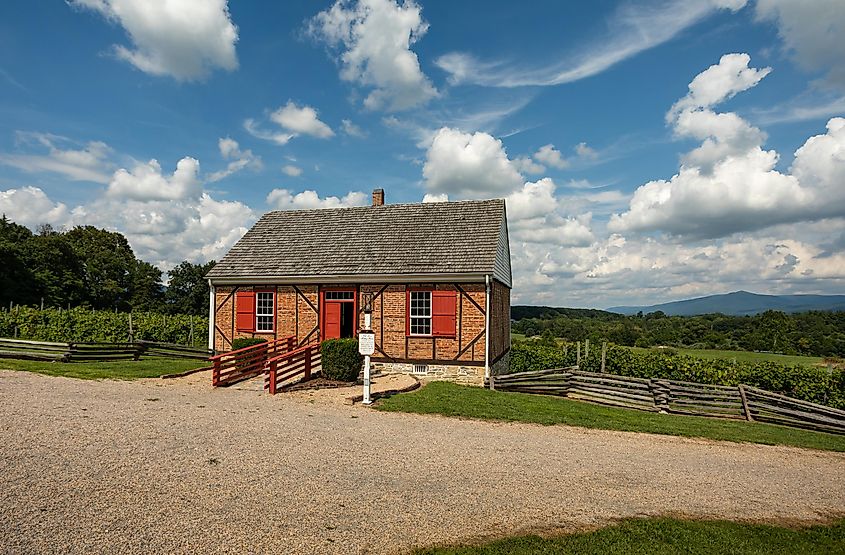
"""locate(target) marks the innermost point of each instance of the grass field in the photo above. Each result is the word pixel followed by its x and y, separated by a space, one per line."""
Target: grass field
pixel 661 536
pixel 118 370
pixel 450 399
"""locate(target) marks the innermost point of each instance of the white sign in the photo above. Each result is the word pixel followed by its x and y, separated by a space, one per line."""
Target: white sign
pixel 366 343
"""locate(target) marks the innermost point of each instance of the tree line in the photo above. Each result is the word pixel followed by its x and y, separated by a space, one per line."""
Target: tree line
pixel 91 267
pixel 815 333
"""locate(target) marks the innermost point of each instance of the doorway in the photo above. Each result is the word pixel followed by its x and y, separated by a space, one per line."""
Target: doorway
pixel 338 314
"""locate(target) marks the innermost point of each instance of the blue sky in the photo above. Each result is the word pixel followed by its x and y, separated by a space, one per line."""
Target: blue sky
pixel 647 149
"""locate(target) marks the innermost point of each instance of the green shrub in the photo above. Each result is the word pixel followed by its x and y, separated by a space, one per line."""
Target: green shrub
pixel 818 385
pixel 340 359
pixel 243 342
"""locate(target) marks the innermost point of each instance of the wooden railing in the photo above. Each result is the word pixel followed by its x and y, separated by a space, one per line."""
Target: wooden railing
pixel 236 366
pixel 300 362
pixel 94 352
pixel 742 402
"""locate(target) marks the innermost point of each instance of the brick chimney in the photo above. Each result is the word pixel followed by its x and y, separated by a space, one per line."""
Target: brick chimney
pixel 378 197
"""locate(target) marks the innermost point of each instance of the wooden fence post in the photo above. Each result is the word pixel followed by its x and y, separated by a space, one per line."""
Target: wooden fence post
pixel 307 364
pixel 131 331
pixel 745 404
pixel 191 334
pixel 215 373
pixel 271 387
pixel 587 348
pixel 603 355
pixel 578 355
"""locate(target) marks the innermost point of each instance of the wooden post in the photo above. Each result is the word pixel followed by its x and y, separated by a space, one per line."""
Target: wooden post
pixel 42 304
pixel 131 331
pixel 603 355
pixel 578 355
pixel 745 403
pixel 587 348
pixel 492 382
pixel 215 373
pixel 191 333
pixel 271 387
pixel 307 364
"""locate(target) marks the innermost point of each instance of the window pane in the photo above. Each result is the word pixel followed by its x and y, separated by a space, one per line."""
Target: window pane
pixel 265 323
pixel 340 295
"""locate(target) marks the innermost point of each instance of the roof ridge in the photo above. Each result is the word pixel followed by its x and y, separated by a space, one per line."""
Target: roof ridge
pixel 389 206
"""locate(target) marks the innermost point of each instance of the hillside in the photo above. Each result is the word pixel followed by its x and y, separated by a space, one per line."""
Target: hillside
pixel 740 303
pixel 518 312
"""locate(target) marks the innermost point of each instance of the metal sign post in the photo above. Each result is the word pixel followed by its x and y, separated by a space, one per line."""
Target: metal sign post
pixel 367 344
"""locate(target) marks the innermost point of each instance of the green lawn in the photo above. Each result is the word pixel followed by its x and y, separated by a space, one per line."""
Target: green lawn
pixel 118 370
pixel 474 402
pixel 748 356
pixel 660 536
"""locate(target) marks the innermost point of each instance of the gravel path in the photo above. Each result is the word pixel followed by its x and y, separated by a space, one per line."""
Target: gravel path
pixel 162 467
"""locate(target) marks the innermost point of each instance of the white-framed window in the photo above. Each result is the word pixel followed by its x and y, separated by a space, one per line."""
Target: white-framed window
pixel 264 311
pixel 419 313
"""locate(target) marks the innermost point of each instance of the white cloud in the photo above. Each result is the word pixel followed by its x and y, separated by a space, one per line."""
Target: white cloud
pixel 549 155
pixel 31 207
pixel 253 128
pixel 285 199
pixel 718 83
pixel 146 182
pixel 468 165
pixel 632 29
pixel 801 110
pixel 351 129
pixel 301 121
pixel 185 39
pixel 729 183
pixel 375 37
pixel 239 159
pixel 88 162
pixel 524 164
pixel 813 32
pixel 584 151
pixel 292 170
pixel 428 197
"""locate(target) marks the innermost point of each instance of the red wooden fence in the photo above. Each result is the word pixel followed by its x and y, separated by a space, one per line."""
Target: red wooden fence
pixel 302 361
pixel 236 366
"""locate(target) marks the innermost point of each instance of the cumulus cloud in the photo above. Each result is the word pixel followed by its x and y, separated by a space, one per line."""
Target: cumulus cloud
pixel 185 40
pixel 468 165
pixel 285 199
pixel 238 159
pixel 31 207
pixel 374 38
pixel 146 181
pixel 584 151
pixel 291 170
pixel 632 29
pixel 79 162
pixel 525 164
pixel 812 32
pixel 718 83
pixel 729 183
pixel 301 120
pixel 549 155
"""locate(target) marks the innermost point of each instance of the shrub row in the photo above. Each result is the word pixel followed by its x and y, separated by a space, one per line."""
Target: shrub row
pixel 81 325
pixel 815 384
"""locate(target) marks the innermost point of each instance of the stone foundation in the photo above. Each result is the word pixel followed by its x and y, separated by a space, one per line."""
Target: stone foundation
pixel 470 375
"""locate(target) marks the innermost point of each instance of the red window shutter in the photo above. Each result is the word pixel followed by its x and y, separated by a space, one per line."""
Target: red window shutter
pixel 245 311
pixel 443 309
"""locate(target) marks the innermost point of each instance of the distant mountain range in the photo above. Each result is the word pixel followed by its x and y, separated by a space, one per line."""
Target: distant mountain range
pixel 740 303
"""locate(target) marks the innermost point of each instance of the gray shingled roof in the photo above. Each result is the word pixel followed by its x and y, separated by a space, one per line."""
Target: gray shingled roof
pixel 394 239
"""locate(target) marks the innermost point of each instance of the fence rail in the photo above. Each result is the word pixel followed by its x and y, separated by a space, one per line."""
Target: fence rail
pixel 236 366
pixel 299 362
pixel 669 396
pixel 92 352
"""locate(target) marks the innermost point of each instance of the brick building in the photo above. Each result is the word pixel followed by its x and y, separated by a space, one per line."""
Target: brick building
pixel 438 274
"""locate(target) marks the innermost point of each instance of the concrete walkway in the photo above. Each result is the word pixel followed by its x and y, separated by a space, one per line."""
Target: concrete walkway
pixel 159 466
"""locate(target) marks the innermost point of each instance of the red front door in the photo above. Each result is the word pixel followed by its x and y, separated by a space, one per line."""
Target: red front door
pixel 332 323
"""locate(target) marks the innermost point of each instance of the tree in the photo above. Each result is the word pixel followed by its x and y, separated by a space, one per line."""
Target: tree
pixel 108 263
pixel 147 290
pixel 58 276
pixel 16 281
pixel 187 291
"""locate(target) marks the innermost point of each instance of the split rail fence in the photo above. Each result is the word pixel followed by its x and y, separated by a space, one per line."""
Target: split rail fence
pixel 92 352
pixel 669 396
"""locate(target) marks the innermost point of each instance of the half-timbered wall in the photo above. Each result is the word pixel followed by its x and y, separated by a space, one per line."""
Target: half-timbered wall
pixel 298 314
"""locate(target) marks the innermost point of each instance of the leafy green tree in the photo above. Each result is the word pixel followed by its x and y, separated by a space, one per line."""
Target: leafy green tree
pixel 56 269
pixel 187 291
pixel 107 262
pixel 16 281
pixel 147 292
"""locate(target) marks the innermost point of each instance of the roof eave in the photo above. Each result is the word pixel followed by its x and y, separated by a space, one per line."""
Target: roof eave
pixel 312 279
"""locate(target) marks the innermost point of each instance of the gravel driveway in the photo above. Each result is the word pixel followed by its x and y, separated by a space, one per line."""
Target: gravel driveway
pixel 156 467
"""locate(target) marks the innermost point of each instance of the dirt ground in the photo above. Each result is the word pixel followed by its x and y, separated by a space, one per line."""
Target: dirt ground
pixel 173 466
